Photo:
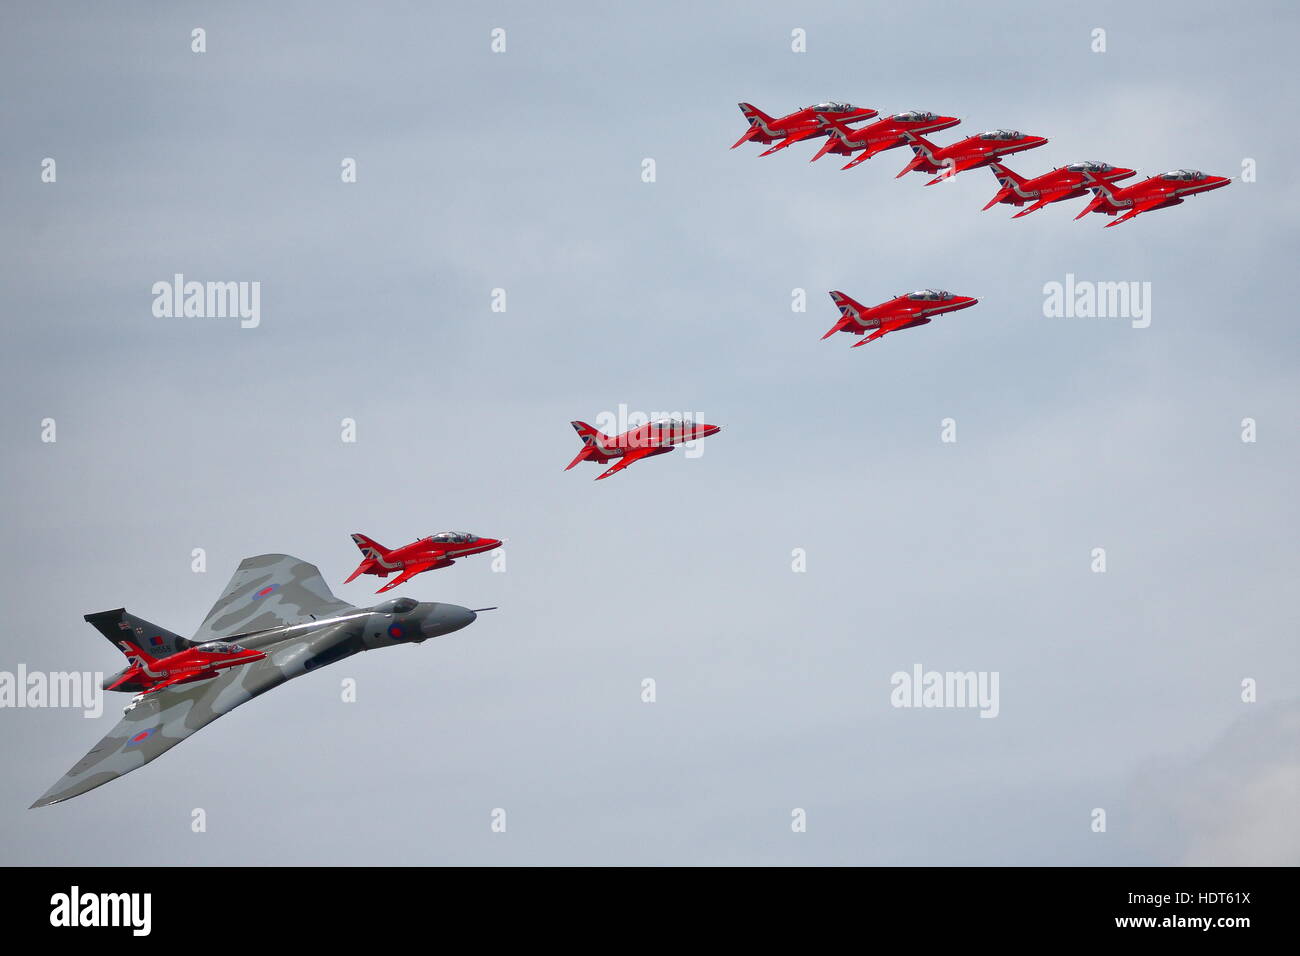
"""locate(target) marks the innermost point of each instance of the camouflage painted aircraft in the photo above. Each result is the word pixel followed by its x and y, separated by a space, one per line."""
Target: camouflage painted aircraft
pixel 278 617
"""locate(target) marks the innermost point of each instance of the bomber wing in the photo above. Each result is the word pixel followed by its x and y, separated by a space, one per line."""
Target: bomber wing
pixel 161 721
pixel 270 590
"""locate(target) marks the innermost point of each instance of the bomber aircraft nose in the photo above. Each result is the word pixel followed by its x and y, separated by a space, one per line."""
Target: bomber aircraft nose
pixel 443 619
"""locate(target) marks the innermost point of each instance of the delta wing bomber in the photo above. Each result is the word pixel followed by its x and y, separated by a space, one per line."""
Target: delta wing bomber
pixel 276 620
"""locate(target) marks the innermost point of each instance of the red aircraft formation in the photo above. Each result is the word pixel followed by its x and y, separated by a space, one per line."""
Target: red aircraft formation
pixel 645 441
pixel 809 121
pixel 436 551
pixel 834 122
pixel 1064 182
pixel 874 138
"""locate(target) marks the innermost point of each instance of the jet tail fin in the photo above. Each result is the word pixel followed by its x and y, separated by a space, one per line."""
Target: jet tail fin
pixel 125 631
pixel 1005 176
pixel 374 552
pixel 1007 180
pixel 754 114
pixel 592 442
pixel 369 546
pixel 850 310
pixel 589 435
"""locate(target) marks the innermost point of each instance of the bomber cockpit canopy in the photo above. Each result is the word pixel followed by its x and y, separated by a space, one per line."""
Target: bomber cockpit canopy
pixel 220 647
pixel 1090 166
pixel 1000 134
pixel 1183 175
pixel 401 605
pixel 929 295
pixel 914 116
pixel 831 106
pixel 453 537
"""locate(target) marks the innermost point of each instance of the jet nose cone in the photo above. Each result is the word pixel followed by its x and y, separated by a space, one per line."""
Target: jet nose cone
pixel 708 430
pixel 446 618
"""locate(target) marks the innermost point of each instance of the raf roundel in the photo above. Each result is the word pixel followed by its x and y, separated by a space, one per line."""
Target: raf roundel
pixel 395 631
pixel 142 736
pixel 265 591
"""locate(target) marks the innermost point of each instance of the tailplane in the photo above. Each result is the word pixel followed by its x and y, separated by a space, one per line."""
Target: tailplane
pixel 757 120
pixel 1009 182
pixel 850 311
pixel 923 155
pixel 593 443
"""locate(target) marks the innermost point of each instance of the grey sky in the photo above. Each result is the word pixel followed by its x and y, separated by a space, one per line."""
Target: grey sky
pixel 522 171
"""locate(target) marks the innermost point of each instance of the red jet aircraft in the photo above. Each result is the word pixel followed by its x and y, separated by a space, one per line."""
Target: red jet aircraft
pixel 653 438
pixel 798 125
pixel 900 312
pixel 969 153
pixel 199 662
pixel 1063 182
pixel 1167 189
pixel 436 551
pixel 874 138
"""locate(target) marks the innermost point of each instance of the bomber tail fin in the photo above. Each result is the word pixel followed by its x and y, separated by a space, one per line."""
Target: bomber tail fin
pixel 134 635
